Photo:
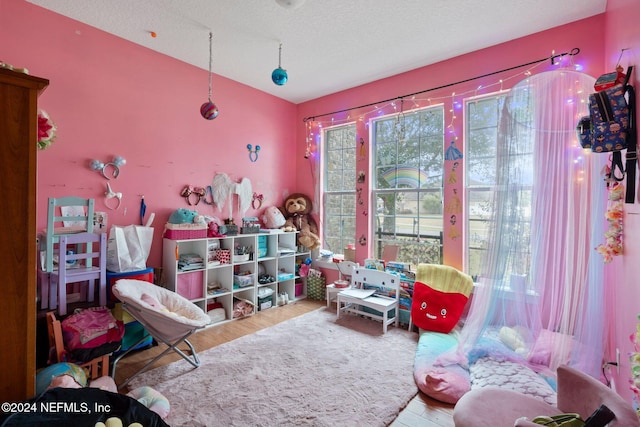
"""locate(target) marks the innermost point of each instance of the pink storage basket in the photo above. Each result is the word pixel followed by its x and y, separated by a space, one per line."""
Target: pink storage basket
pixel 185 231
pixel 190 285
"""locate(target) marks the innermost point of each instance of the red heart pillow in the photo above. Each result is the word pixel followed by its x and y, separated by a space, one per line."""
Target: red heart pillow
pixel 435 310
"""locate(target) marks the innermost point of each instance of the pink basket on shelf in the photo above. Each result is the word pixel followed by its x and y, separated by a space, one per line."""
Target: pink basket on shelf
pixel 185 231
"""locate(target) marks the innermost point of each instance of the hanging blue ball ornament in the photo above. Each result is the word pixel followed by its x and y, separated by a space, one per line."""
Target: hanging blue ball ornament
pixel 209 111
pixel 279 76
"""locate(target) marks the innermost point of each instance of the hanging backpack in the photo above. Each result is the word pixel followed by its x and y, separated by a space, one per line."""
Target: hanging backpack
pixel 610 128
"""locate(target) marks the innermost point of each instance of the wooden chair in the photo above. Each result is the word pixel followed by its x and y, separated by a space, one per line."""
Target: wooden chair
pixel 79 266
pixel 375 290
pixel 56 227
pixel 96 368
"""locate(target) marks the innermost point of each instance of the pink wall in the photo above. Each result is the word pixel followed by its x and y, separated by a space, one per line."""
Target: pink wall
pixel 621 24
pixel 110 97
pixel 587 35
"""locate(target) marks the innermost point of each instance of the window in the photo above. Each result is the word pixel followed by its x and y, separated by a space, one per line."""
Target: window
pixel 482 124
pixel 339 207
pixel 408 151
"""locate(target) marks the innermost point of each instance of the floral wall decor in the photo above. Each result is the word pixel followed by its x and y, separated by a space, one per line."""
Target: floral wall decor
pixel 46 130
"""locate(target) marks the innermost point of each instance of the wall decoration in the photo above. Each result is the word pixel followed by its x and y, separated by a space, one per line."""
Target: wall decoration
pixel 98 166
pixel 454 233
pixel 143 209
pixel 363 148
pixel 361 177
pixel 454 205
pixel 256 202
pixel 452 152
pixel 110 194
pixel 360 199
pixel 614 215
pixel 362 240
pixel 209 110
pixel 253 152
pixel 190 190
pixel 410 176
pixel 453 175
pixel 224 189
pixel 47 130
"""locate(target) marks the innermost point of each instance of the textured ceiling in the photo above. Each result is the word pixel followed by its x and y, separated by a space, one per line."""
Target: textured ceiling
pixel 327 45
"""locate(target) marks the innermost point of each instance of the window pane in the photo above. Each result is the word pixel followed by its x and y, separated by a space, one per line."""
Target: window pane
pixel 482 116
pixel 339 205
pixel 481 153
pixel 409 159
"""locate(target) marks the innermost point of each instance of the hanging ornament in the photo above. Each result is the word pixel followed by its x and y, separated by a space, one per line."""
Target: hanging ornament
pixel 279 75
pixel 208 110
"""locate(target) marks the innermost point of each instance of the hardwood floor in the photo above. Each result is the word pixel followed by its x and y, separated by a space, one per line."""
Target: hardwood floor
pixel 421 410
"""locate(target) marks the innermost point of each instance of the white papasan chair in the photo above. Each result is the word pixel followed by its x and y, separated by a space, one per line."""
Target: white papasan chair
pixel 168 317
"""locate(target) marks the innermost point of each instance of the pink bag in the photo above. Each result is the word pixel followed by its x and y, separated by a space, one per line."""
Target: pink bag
pixel 91 328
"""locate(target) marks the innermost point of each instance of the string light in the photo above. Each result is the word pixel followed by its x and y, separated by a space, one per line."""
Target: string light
pixel 379 109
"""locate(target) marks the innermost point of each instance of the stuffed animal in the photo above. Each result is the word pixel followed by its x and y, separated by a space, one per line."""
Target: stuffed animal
pixel 303 270
pixel 185 216
pixel 297 211
pixel 272 217
pixel 440 294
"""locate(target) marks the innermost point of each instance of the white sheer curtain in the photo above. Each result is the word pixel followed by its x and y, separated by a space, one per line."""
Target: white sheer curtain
pixel 542 275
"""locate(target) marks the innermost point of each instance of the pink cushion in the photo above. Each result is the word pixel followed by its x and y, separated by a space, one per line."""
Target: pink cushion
pixel 495 407
pixel 445 384
pixel 154 303
pixel 443 380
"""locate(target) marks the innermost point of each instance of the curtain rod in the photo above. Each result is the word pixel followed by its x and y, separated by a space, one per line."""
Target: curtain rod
pixel 553 58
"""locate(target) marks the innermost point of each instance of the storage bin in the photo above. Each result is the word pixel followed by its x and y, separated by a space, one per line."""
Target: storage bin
pixel 316 288
pixel 285 276
pixel 133 333
pixel 145 275
pixel 224 256
pixel 185 231
pixel 241 258
pixel 299 289
pixel 243 280
pixel 262 246
pixel 190 285
pixel 265 303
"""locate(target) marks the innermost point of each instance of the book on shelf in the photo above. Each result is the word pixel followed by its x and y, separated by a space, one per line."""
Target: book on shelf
pixel 283 250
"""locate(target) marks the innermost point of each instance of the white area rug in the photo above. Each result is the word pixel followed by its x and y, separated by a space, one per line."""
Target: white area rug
pixel 312 370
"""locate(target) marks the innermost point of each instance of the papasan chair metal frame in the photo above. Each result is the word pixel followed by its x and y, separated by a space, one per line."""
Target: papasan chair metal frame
pixel 168 317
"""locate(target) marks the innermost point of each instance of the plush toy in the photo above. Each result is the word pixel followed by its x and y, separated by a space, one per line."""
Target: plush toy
pixel 304 268
pixel 115 422
pixel 185 216
pixel 70 375
pixel 440 293
pixel 297 210
pixel 272 217
pixel 213 226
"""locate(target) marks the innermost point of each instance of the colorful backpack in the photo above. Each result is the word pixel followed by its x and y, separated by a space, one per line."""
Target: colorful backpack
pixel 610 128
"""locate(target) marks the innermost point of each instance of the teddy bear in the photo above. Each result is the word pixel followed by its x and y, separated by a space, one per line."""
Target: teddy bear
pixel 297 211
